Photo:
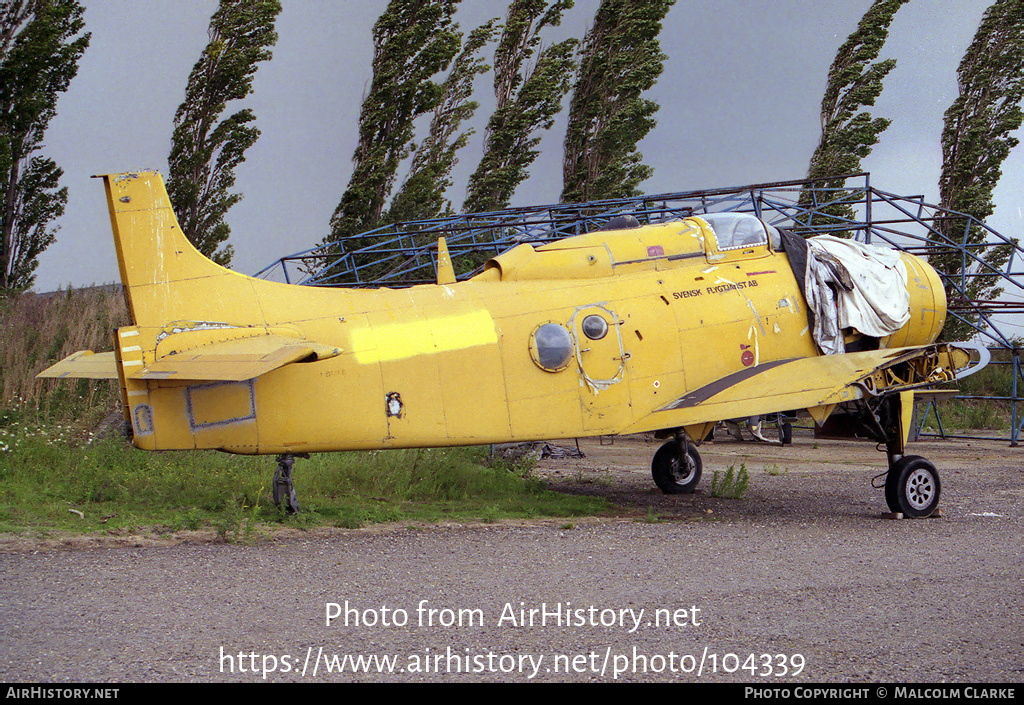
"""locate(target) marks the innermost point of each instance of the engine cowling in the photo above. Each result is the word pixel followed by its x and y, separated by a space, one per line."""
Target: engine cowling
pixel 927 306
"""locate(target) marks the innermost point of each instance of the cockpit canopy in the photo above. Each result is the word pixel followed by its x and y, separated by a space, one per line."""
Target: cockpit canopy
pixel 736 230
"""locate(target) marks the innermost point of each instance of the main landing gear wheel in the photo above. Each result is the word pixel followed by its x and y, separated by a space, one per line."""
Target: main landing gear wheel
pixel 785 431
pixel 912 486
pixel 674 474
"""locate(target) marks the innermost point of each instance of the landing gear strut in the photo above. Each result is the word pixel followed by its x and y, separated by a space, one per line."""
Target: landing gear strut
pixel 284 488
pixel 912 485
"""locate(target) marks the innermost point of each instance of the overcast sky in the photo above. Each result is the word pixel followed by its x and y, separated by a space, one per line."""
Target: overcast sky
pixel 740 99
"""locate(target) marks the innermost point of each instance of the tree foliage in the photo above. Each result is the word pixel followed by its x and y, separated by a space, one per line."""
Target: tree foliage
pixel 205 152
pixel 413 41
pixel 621 58
pixel 422 194
pixel 527 99
pixel 976 139
pixel 847 132
pixel 40 45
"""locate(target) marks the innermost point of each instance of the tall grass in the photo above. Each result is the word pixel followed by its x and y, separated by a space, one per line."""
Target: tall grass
pixel 37 330
pixel 995 380
pixel 48 483
pixel 994 413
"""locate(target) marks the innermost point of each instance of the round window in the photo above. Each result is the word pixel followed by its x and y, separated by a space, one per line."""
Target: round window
pixel 595 327
pixel 551 347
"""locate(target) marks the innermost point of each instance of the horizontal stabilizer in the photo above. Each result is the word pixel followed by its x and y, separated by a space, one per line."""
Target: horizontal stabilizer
pixel 234 360
pixel 84 364
pixel 229 361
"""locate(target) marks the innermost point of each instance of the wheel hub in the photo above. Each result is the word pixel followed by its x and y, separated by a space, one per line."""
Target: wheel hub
pixel 920 488
pixel 683 468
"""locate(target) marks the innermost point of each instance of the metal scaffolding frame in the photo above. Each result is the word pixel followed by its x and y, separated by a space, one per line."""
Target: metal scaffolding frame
pixel 404 254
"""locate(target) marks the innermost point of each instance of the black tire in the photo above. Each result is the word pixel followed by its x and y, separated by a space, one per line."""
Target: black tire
pixel 912 486
pixel 672 476
pixel 785 432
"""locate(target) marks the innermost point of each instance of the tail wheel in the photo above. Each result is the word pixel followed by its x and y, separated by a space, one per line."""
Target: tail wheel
pixel 675 473
pixel 912 486
pixel 283 490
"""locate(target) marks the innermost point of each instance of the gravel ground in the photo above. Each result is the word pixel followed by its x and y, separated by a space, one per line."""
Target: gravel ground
pixel 804 579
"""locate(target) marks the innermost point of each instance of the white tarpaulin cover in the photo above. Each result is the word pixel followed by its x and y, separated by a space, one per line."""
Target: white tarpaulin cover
pixel 871 283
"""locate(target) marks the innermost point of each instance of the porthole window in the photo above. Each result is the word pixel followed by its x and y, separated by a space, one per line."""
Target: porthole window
pixel 551 347
pixel 595 327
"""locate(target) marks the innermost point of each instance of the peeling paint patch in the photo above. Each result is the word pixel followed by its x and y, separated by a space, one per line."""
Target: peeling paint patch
pixel 693 231
pixel 393 404
pixel 789 303
pixel 220 403
pixel 598 385
pixel 143 417
pixel 186 326
pixel 757 316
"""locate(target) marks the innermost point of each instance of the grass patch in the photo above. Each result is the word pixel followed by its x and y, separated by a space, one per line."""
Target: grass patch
pixel 731 484
pixel 114 487
pixel 995 380
pixel 651 517
pixel 969 414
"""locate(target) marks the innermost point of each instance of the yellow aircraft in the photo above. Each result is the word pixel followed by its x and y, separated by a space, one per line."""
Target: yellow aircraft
pixel 664 328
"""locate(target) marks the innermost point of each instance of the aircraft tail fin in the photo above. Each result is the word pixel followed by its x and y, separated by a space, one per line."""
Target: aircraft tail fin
pixel 163 274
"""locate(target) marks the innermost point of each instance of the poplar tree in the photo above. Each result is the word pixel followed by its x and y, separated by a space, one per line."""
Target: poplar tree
pixel 621 58
pixel 848 132
pixel 205 152
pixel 976 139
pixel 413 41
pixel 422 194
pixel 527 99
pixel 40 45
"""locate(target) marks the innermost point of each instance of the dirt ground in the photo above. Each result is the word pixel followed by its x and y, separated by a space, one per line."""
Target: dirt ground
pixel 806 578
pixel 812 478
